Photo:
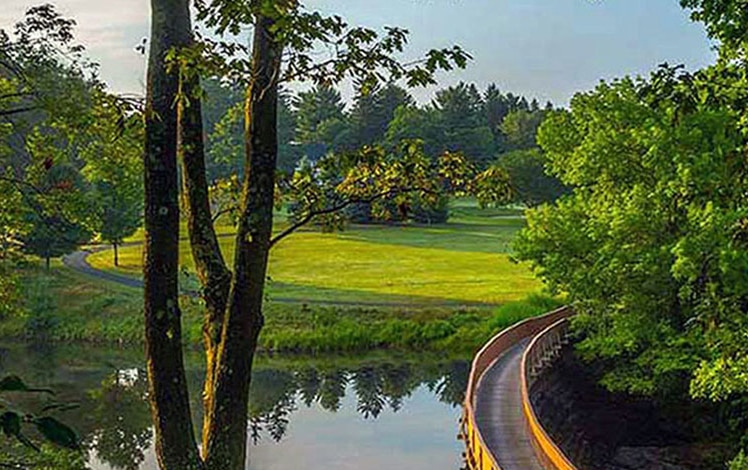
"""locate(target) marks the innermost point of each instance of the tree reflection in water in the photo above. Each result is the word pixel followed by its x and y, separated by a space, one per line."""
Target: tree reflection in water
pixel 116 423
pixel 123 421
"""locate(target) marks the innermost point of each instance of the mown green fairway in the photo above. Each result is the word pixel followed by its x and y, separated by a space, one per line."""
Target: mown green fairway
pixel 464 261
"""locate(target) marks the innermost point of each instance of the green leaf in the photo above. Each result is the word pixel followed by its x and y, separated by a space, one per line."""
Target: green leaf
pixel 13 383
pixel 57 432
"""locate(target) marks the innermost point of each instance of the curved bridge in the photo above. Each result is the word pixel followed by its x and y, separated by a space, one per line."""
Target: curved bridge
pixel 499 426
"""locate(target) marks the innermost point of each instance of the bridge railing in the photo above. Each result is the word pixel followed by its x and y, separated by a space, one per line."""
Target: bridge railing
pixel 478 455
pixel 542 351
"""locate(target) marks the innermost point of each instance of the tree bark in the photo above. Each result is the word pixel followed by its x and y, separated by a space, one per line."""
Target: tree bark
pixel 212 272
pixel 168 397
pixel 226 437
pixel 116 254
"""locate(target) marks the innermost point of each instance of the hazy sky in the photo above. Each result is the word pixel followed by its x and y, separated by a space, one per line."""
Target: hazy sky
pixel 543 48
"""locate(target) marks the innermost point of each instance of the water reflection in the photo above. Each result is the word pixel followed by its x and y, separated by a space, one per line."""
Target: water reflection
pixel 122 420
pixel 114 418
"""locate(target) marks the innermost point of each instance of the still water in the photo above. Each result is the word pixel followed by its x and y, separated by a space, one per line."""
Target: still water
pixel 387 411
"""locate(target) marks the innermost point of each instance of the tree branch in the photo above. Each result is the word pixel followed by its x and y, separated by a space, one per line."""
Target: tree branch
pixel 332 209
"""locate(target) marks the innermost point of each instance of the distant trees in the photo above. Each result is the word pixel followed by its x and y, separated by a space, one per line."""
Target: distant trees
pixel 320 121
pixel 372 112
pixel 225 138
pixel 317 122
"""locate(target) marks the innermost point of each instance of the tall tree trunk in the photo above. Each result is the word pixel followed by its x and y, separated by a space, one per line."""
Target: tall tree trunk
pixel 116 254
pixel 211 268
pixel 169 400
pixel 226 437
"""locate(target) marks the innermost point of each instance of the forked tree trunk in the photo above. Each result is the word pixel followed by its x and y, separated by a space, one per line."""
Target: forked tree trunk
pixel 170 407
pixel 233 302
pixel 226 435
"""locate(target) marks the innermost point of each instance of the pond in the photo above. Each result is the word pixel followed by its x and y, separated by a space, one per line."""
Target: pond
pixel 332 413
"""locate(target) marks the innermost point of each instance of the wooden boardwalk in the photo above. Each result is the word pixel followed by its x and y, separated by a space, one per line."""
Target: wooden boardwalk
pixel 498 412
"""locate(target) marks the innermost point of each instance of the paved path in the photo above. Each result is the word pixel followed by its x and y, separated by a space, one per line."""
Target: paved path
pixel 78 261
pixel 498 412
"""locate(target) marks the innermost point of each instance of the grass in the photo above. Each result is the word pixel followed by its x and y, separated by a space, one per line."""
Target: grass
pixel 65 306
pixel 408 288
pixel 462 262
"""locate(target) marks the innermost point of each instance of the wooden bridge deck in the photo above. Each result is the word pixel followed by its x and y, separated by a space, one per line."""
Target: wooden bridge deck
pixel 498 412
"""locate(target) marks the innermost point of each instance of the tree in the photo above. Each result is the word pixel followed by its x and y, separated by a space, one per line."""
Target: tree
pixel 651 241
pixel 53 236
pixel 412 122
pixel 495 109
pixel 169 400
pixel 519 129
pixel 55 212
pixel 531 183
pixel 114 168
pixel 119 214
pixel 320 114
pixel 373 111
pixel 460 110
pixel 233 298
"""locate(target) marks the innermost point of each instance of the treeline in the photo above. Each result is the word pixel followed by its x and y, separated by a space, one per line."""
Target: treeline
pixel 490 128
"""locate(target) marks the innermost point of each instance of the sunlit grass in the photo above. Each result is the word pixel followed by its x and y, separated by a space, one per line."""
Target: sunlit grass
pixel 464 261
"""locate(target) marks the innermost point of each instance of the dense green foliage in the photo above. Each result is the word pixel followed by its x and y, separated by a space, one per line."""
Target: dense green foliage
pixel 726 21
pixel 650 245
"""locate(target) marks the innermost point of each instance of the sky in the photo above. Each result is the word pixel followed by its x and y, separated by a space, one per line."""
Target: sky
pixel 548 49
